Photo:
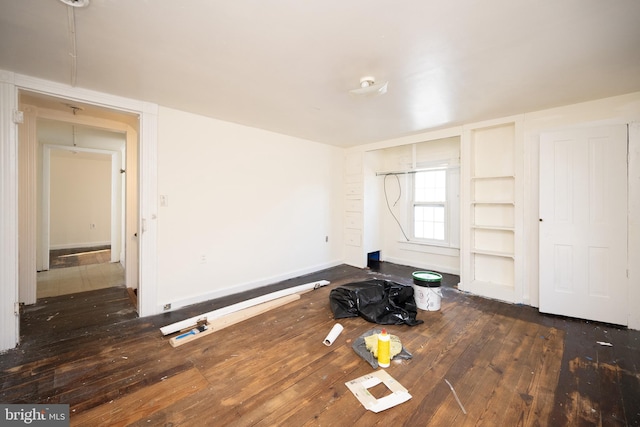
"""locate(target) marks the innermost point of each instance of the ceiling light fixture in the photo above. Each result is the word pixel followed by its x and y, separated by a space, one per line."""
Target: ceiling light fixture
pixel 368 87
pixel 76 3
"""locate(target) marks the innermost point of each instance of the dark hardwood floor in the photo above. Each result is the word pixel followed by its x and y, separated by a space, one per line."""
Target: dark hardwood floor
pixel 509 365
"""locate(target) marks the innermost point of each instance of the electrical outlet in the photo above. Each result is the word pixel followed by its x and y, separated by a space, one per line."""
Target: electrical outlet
pixel 164 200
pixel 167 307
pixel 203 259
pixel 92 226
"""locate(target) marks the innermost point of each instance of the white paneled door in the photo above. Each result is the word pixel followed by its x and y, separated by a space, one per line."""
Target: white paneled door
pixel 583 224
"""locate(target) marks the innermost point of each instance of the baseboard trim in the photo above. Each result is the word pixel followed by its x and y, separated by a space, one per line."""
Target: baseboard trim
pixel 79 245
pixel 243 287
pixel 425 266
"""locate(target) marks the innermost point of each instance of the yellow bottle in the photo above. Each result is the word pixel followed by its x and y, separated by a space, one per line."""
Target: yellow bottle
pixel 384 349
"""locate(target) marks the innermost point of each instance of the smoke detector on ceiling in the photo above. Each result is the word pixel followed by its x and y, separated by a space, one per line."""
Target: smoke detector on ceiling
pixel 369 87
pixel 76 3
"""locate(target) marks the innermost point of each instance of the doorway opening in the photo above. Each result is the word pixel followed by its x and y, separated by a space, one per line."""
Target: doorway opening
pixel 79 189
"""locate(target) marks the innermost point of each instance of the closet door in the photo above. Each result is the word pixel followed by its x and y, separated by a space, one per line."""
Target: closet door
pixel 583 228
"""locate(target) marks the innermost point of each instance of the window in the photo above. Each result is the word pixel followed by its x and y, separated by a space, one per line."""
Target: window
pixel 430 205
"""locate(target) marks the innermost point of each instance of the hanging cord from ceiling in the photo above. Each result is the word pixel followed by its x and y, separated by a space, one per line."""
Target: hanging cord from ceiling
pixel 73 138
pixel 73 50
pixel 386 198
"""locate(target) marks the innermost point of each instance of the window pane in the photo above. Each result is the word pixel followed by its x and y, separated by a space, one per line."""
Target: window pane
pixel 421 194
pixel 430 194
pixel 438 215
pixel 429 222
pixel 419 231
pixel 438 231
pixel 427 214
pixel 430 186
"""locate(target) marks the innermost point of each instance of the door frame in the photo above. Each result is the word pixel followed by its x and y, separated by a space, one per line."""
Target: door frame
pixel 116 210
pixel 612 111
pixel 10 85
pixel 28 266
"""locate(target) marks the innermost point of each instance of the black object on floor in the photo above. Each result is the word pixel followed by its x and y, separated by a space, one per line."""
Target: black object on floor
pixel 377 301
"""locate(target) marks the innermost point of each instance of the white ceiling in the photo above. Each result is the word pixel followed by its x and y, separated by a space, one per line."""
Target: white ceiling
pixel 287 65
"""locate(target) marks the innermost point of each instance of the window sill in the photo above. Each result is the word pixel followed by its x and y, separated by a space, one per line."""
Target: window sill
pixel 428 248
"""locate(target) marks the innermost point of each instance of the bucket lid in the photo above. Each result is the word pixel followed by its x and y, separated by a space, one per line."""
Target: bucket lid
pixel 427 276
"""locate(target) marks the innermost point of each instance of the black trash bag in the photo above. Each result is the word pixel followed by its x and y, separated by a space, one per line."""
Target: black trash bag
pixel 377 301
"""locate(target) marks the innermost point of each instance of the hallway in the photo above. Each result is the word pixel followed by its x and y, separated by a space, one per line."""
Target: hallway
pixel 81 278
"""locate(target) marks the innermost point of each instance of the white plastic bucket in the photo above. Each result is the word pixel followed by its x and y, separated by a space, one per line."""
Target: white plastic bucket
pixel 428 299
pixel 426 290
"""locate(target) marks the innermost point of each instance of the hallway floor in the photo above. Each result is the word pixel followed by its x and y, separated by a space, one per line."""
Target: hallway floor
pixel 70 280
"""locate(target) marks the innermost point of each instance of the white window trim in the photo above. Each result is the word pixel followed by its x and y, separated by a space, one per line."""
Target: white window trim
pixel 428 248
pixel 413 204
pixel 451 204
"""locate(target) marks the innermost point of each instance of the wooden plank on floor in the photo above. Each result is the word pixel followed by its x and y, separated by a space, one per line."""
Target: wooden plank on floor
pixel 236 317
pixel 545 379
pixel 270 397
pixel 302 397
pixel 511 402
pixel 142 403
pixel 215 314
pixel 466 356
pixel 476 374
pixel 52 317
pixel 253 368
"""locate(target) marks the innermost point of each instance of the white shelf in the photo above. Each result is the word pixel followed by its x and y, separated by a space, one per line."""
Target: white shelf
pixel 493 253
pixel 492 227
pixel 493 202
pixel 493 177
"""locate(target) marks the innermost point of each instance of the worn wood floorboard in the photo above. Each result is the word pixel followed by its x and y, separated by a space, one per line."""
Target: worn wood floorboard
pixel 509 364
pixel 145 402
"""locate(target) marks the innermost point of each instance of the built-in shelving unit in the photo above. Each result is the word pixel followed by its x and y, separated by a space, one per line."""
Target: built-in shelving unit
pixel 492 211
pixel 353 202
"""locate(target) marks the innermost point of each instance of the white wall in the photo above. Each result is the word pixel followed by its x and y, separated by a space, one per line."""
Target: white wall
pixel 80 199
pixel 245 207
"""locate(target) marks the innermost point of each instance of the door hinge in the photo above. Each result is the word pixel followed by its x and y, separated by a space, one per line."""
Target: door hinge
pixel 18 117
pixel 16 308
